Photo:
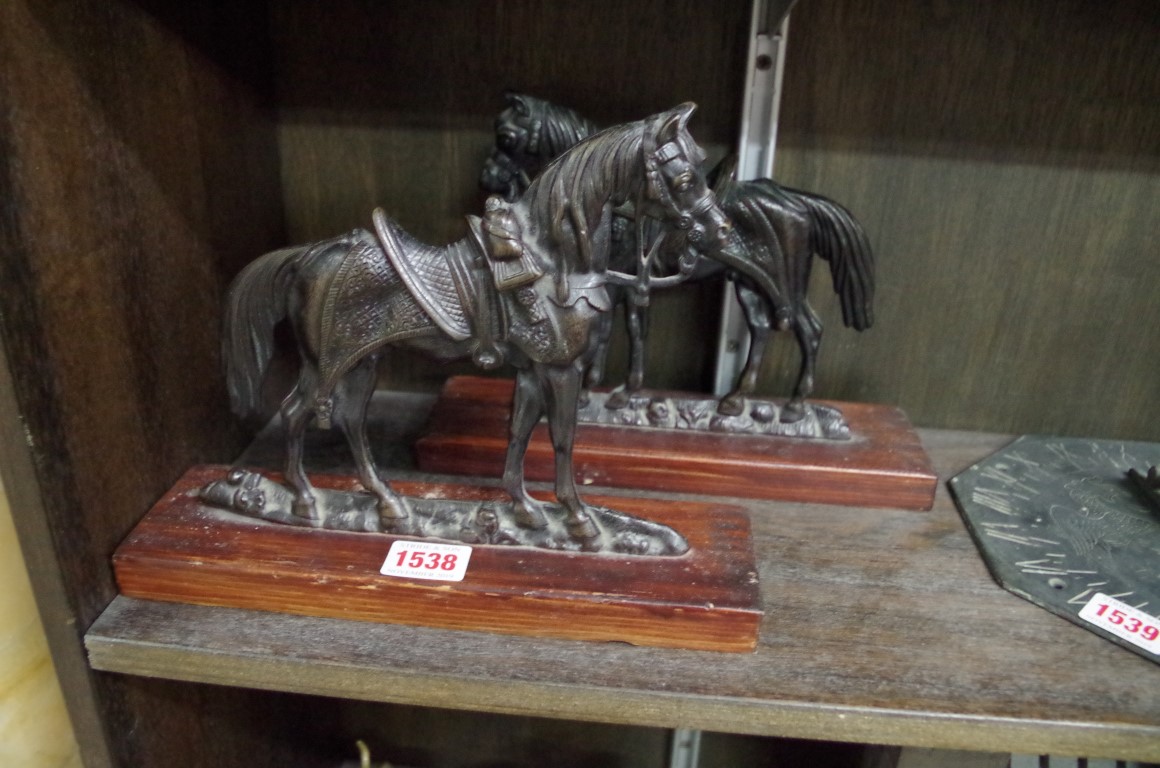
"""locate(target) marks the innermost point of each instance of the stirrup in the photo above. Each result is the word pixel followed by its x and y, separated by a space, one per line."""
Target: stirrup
pixel 487 356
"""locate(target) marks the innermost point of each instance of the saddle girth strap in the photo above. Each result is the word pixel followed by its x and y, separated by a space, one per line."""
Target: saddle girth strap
pixel 481 304
pixel 451 284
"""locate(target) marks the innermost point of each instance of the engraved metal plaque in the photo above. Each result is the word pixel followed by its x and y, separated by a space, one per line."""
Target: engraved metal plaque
pixel 1059 523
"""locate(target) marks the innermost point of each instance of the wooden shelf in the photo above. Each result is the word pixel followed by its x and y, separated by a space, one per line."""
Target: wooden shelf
pixel 880 628
pixel 153 149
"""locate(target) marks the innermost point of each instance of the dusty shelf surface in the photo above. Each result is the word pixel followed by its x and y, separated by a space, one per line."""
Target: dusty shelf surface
pixel 879 628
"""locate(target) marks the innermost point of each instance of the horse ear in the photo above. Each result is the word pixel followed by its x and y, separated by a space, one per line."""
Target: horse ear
pixel 675 121
pixel 723 178
pixel 518 101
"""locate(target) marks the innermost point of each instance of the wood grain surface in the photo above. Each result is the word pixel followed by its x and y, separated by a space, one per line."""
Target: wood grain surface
pixel 138 171
pixel 706 599
pixel 1003 158
pixel 1006 167
pixel 883 465
pixel 882 628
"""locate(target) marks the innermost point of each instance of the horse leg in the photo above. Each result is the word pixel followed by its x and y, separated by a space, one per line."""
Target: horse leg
pixel 351 415
pixel 527 408
pixel 599 356
pixel 562 385
pixel 636 318
pixel 808 329
pixel 638 327
pixel 756 311
pixel 296 410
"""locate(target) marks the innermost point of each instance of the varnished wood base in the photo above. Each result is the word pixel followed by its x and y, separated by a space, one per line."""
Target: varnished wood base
pixel 707 599
pixel 882 465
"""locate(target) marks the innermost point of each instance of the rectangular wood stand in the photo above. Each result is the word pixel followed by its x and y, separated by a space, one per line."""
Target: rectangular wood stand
pixel 883 465
pixel 707 599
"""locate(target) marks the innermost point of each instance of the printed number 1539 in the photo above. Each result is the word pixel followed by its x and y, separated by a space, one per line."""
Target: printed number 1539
pixel 1124 621
pixel 1130 623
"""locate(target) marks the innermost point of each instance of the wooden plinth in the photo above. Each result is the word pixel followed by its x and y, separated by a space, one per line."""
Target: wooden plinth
pixel 883 465
pixel 707 599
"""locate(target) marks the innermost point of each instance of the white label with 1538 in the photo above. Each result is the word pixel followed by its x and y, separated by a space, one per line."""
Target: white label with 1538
pixel 427 560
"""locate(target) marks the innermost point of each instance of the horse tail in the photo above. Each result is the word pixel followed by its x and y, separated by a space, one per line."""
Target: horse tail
pixel 255 304
pixel 837 237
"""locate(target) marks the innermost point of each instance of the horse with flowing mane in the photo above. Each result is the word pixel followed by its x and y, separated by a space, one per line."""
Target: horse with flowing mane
pixel 526 286
pixel 777 231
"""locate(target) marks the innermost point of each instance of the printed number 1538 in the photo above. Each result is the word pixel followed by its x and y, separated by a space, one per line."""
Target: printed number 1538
pixel 427 560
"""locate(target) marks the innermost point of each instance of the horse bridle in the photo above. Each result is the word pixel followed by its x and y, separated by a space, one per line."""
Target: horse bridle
pixel 534 130
pixel 659 192
pixel 503 158
pixel 510 167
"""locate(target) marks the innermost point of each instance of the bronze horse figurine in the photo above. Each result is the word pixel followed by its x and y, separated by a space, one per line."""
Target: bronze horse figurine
pixel 777 231
pixel 526 286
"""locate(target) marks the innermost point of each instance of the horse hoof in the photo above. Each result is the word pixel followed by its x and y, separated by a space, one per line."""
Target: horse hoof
pixel 529 517
pixel 307 510
pixel 402 526
pixel 617 400
pixel 731 405
pixel 583 529
pixel 793 412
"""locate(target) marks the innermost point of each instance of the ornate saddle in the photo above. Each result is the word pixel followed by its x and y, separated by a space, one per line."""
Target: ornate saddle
pixel 450 284
pixel 432 278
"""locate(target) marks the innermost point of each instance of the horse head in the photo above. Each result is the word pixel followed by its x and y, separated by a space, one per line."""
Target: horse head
pixel 653 163
pixel 529 134
pixel 518 152
pixel 676 192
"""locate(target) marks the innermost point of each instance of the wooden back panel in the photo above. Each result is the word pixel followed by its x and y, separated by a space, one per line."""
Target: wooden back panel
pixel 1005 164
pixel 1003 160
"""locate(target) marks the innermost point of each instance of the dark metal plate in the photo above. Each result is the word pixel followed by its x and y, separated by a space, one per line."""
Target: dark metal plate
pixel 1058 521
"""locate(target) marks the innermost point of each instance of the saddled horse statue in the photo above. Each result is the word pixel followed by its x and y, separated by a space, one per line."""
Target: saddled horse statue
pixel 526 286
pixel 777 231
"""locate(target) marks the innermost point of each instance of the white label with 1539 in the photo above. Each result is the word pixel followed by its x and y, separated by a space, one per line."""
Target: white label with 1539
pixel 1124 621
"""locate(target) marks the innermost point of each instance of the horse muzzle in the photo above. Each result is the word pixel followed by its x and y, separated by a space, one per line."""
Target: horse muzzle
pixel 494 178
pixel 497 179
pixel 712 234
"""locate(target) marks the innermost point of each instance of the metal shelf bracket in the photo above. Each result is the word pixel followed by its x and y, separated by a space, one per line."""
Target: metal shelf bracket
pixel 763 74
